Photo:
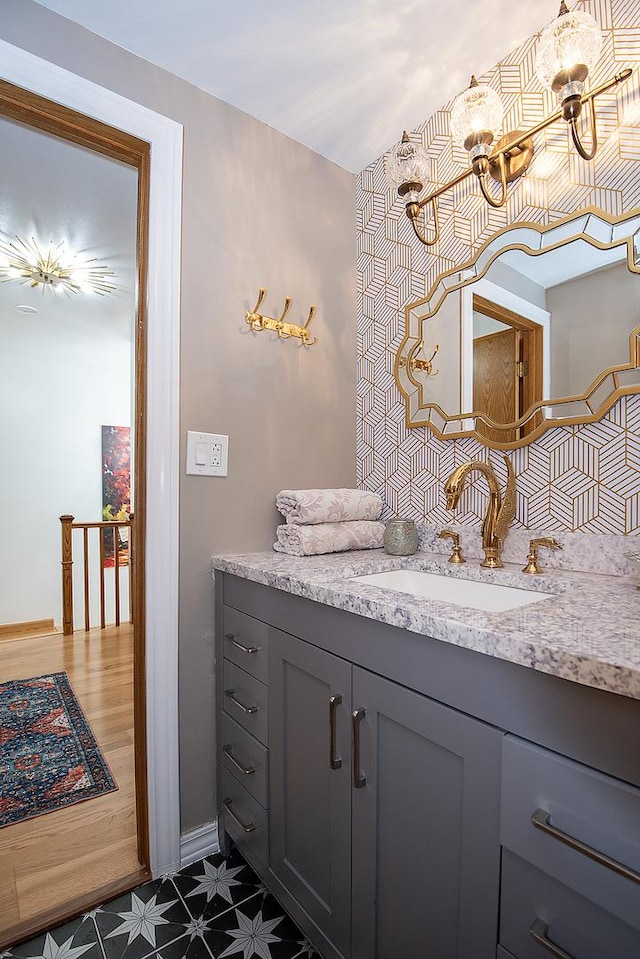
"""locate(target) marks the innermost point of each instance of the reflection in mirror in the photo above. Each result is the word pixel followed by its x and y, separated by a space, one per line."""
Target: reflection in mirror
pixel 541 328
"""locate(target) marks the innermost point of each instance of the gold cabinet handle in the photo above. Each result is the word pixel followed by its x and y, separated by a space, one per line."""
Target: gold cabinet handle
pixel 246 770
pixel 245 826
pixel 541 819
pixel 334 761
pixel 249 710
pixel 359 780
pixel 245 649
pixel 539 932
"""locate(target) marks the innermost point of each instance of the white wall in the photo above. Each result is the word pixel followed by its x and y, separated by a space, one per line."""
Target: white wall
pixel 259 209
pixel 56 391
pixel 591 318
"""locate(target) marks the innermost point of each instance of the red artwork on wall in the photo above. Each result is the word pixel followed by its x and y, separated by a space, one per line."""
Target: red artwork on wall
pixel 116 489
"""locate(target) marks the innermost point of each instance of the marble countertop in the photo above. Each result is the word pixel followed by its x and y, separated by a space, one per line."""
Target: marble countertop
pixel 588 631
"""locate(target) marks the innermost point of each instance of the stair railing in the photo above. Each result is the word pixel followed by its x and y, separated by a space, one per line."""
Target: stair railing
pixel 68 525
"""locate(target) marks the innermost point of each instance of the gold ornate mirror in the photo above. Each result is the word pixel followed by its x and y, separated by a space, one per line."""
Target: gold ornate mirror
pixel 541 328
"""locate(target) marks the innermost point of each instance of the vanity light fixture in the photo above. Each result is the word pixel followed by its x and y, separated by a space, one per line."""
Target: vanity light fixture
pixel 54 268
pixel 567 49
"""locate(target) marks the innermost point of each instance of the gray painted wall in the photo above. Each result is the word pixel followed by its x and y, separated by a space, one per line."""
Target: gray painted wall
pixel 591 318
pixel 259 209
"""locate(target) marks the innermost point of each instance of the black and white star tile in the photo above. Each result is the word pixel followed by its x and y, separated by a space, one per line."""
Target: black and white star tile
pixel 215 908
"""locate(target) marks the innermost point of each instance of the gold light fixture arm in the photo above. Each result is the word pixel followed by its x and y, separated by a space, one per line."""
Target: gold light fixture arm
pixel 413 215
pixel 258 321
pixel 575 136
pixel 512 144
pixel 502 168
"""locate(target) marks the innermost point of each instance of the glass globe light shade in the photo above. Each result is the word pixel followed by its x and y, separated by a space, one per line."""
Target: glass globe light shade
pixel 408 162
pixel 478 110
pixel 572 38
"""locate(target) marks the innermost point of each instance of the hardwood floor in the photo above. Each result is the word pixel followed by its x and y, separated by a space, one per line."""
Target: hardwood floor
pixel 67 855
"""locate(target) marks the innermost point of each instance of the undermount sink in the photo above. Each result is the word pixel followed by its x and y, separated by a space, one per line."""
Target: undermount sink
pixel 471 594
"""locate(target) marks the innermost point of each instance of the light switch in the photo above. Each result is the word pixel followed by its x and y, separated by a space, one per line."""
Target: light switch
pixel 207 454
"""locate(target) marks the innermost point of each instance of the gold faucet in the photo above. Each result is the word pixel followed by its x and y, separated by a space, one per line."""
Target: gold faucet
pixel 456 552
pixel 548 542
pixel 500 511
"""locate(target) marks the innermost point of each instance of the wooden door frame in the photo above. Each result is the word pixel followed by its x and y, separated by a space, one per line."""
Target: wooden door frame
pixel 52 118
pixel 102 120
pixel 532 347
pixel 510 301
pixel 533 340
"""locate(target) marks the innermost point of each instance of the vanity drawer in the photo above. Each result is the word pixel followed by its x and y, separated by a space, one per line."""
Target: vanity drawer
pixel 245 700
pixel 245 642
pixel 533 901
pixel 586 808
pixel 244 820
pixel 246 758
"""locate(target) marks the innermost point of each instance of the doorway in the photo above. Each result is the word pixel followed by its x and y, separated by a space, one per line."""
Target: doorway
pixel 28 115
pixel 507 369
pixel 86 99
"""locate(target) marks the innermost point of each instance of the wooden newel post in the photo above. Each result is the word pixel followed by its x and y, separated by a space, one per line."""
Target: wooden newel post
pixel 67 575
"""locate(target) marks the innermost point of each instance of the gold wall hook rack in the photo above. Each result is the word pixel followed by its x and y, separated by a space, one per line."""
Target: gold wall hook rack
pixel 258 321
pixel 424 366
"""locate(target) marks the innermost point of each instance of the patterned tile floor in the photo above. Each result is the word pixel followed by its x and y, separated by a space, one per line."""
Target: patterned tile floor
pixel 214 908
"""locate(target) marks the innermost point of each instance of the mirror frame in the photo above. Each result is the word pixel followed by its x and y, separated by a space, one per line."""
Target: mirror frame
pixel 589 224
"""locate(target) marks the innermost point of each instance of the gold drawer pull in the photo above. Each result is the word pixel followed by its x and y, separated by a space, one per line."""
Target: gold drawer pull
pixel 334 761
pixel 247 770
pixel 539 933
pixel 541 820
pixel 249 710
pixel 245 826
pixel 245 649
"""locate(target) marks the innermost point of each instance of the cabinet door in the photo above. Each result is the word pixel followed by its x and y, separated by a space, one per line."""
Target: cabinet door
pixel 310 795
pixel 426 854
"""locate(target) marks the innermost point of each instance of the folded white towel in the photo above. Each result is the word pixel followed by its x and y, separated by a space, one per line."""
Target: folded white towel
pixel 328 537
pixel 328 505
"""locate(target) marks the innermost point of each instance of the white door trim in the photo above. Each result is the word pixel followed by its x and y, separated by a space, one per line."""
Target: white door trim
pixel 163 310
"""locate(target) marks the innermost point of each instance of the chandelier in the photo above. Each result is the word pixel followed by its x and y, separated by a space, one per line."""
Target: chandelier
pixel 52 267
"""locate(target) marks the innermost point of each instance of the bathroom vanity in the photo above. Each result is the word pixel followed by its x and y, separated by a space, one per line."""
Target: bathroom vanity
pixel 412 777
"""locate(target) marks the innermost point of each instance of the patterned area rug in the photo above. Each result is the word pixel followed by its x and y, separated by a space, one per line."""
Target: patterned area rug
pixel 48 755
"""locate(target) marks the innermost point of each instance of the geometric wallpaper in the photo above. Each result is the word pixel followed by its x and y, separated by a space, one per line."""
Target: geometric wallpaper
pixel 573 477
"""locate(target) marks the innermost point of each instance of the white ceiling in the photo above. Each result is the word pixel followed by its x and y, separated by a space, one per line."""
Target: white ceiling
pixel 344 77
pixel 55 191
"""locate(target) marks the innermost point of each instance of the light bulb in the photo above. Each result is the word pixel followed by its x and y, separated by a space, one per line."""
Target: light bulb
pixel 476 118
pixel 567 50
pixel 406 167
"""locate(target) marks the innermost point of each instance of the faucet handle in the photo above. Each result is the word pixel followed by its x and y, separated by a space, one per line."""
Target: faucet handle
pixel 456 553
pixel 544 542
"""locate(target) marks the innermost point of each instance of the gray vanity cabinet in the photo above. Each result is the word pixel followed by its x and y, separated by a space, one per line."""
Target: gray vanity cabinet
pixel 310 789
pixel 383 809
pixel 405 797
pixel 426 855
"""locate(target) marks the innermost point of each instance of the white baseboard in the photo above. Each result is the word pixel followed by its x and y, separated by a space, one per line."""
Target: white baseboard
pixel 199 843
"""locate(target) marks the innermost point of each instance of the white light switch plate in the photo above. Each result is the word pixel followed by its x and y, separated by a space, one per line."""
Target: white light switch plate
pixel 207 454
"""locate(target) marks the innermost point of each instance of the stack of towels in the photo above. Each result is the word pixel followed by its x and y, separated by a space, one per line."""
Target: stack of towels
pixel 328 521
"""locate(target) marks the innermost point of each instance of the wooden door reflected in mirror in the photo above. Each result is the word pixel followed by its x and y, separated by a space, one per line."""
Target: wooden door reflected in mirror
pixel 507 368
